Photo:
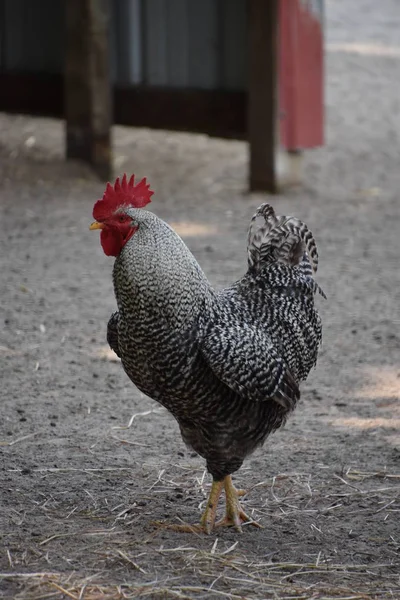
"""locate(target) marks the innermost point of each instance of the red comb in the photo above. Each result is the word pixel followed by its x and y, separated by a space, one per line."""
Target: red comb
pixel 123 193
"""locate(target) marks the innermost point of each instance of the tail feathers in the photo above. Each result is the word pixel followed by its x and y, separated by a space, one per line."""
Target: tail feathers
pixel 288 392
pixel 280 238
pixel 318 289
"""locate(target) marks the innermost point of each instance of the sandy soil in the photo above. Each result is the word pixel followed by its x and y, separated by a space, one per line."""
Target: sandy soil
pixel 88 463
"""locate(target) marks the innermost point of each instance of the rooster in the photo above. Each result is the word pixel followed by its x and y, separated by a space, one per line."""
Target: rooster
pixel 227 364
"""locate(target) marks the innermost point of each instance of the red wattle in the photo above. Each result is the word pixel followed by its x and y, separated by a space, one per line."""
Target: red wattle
pixel 113 239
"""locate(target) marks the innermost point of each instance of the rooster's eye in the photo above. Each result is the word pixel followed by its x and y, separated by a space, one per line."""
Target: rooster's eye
pixel 122 218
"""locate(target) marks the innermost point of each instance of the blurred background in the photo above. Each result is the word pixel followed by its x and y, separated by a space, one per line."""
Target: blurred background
pixel 231 68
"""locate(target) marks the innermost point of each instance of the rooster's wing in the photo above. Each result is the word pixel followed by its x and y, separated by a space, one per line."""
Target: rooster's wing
pixel 242 356
pixel 112 333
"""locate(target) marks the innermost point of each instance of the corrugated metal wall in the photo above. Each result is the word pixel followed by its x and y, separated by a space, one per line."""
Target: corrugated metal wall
pixel 32 35
pixel 198 44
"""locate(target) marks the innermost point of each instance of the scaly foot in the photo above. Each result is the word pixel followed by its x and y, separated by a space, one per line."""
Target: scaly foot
pixel 234 517
pixel 207 521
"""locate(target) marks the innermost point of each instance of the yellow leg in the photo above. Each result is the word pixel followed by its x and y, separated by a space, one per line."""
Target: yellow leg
pixel 235 515
pixel 207 520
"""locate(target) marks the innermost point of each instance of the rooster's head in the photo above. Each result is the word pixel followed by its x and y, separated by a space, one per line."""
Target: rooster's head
pixel 114 215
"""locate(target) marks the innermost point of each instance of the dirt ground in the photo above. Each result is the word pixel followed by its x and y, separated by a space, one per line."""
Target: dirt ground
pixel 88 463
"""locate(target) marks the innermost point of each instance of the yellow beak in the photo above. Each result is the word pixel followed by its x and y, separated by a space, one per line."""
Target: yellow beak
pixel 96 225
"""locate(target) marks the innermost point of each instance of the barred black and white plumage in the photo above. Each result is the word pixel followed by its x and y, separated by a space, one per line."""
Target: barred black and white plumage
pixel 226 364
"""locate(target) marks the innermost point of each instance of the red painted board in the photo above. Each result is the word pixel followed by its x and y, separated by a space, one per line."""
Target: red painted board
pixel 301 74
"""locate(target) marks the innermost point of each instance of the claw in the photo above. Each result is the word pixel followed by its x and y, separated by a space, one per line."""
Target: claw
pixel 234 517
pixel 183 528
pixel 237 521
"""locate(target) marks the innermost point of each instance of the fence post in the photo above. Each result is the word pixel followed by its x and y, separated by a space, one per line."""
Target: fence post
pixel 87 88
pixel 262 122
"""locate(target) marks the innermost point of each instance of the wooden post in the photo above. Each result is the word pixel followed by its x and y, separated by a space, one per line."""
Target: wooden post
pixel 262 95
pixel 87 92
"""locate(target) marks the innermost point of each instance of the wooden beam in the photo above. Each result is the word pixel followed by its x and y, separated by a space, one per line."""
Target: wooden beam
pixel 220 113
pixel 87 89
pixel 262 116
